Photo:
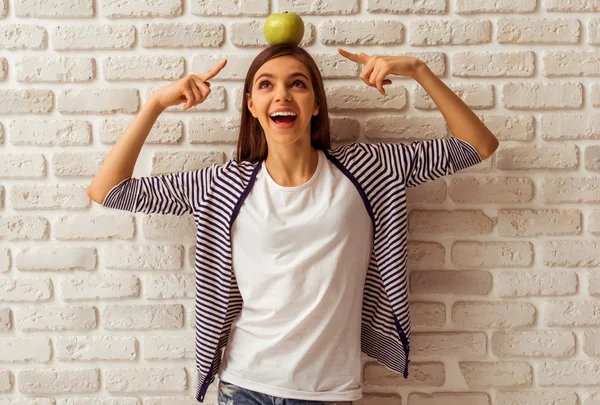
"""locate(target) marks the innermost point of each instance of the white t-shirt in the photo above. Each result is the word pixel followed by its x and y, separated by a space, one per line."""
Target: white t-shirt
pixel 300 257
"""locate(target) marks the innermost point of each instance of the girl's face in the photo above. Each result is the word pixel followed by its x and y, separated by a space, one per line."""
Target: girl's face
pixel 283 100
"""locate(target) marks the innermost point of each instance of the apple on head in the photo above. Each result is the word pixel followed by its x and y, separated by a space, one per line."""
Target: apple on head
pixel 285 28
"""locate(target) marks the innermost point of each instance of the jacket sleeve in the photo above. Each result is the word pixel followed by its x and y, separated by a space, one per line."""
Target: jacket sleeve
pixel 422 161
pixel 175 193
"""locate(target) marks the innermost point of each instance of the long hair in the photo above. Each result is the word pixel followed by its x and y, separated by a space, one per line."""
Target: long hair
pixel 252 144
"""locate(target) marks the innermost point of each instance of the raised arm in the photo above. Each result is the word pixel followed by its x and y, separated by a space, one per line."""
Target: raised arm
pixel 461 120
pixel 120 162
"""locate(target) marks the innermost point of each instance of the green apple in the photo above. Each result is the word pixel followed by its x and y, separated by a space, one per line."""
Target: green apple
pixel 286 28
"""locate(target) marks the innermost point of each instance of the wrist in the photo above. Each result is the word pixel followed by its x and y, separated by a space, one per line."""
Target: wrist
pixel 154 105
pixel 420 70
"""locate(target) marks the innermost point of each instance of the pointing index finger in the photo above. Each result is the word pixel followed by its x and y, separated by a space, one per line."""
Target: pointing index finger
pixel 212 72
pixel 362 58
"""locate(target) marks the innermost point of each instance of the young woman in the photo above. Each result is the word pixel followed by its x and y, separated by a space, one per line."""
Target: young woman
pixel 300 250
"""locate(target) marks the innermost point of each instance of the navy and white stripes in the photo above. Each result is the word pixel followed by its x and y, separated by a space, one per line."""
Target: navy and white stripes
pixel 381 173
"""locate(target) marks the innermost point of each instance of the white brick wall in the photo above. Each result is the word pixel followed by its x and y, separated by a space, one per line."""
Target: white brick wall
pixel 96 306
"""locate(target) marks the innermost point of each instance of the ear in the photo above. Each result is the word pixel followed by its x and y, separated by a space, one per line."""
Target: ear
pixel 316 110
pixel 250 105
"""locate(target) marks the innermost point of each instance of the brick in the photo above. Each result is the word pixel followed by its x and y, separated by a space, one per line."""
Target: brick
pixel 214 102
pixel 448 344
pixel 5 260
pixel 100 287
pixel 538 31
pixel 592 398
pixel 25 349
pixel 143 68
pixel 99 401
pixel 77 164
pixel 473 94
pixel 594 283
pixel 449 32
pixel 482 314
pixel 59 381
pixel 56 258
pixel 22 166
pixel 425 255
pixel 491 190
pixel 449 222
pixel 540 283
pixel 571 190
pixel 168 348
pixel 213 130
pixel 430 314
pixel 419 375
pixel 531 397
pixel 3 69
pixel 594 223
pixel 28 289
pixel 568 373
pixel 335 66
pixel 572 313
pixel 570 126
pixel 497 374
pixel 3 8
pixel 183 161
pixel 233 8
pixel 492 254
pixel 93 37
pixel 531 96
pixel 361 32
pixel 251 34
pixel 141 8
pixel 533 344
pixel 235 70
pixel 379 399
pixel 23 36
pixel 406 6
pixel 451 282
pixel 50 133
pixel 98 101
pixel 94 348
pixel 95 227
pixel 520 223
pixel 29 101
pixel 494 6
pixel 144 317
pixel 180 35
pixel 571 63
pixel 162 131
pixel 390 128
pixel 592 158
pixel 33 69
pixel 5 321
pixel 6 380
pixel 463 398
pixel 571 254
pixel 591 343
pixel 49 197
pixel 145 380
pixel 430 192
pixel 23 228
pixel 343 129
pixel 360 97
pixel 594 31
pixel 493 64
pixel 150 257
pixel 513 157
pixel 595 95
pixel 169 227
pixel 169 286
pixel 27 401
pixel 54 8
pixel 55 318
pixel 572 5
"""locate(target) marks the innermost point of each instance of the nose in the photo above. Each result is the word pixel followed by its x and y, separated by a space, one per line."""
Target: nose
pixel 282 93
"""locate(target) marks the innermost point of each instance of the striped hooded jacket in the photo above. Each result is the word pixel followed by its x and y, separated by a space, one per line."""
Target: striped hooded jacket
pixel 214 195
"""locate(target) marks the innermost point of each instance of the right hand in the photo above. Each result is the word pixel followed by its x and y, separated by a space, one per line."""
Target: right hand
pixel 191 90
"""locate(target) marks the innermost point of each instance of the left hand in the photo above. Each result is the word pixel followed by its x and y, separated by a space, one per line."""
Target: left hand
pixel 378 67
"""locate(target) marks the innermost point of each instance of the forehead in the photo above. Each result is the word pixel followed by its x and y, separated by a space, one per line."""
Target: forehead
pixel 282 66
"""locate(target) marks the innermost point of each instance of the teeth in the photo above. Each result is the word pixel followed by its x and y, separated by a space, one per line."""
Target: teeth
pixel 283 114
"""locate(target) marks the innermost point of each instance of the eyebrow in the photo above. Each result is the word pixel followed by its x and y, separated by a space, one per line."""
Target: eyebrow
pixel 270 76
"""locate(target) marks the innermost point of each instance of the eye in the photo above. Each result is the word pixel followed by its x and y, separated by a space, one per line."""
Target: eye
pixel 299 82
pixel 260 85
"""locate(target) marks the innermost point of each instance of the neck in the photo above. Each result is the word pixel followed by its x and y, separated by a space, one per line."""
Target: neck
pixel 291 165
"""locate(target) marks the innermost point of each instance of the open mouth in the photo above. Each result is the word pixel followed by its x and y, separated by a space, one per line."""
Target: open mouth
pixel 283 119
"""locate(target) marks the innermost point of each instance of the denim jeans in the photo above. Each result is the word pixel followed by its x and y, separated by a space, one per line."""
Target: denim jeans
pixel 230 394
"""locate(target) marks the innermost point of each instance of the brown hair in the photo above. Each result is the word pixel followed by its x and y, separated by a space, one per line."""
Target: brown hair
pixel 252 145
